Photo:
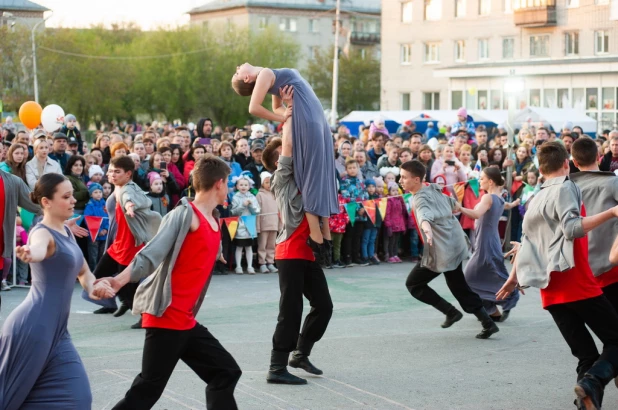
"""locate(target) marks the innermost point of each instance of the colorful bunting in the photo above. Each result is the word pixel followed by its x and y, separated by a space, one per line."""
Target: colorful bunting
pixel 460 189
pixel 94 225
pixel 516 185
pixel 232 226
pixel 382 206
pixel 351 208
pixel 474 184
pixel 250 222
pixel 370 208
pixel 26 218
pixel 407 200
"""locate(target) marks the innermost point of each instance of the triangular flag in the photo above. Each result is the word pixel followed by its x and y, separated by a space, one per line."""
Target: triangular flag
pixel 370 208
pixel 79 218
pixel 351 208
pixel 230 219
pixel 478 166
pixel 460 189
pixel 474 184
pixel 407 200
pixel 26 218
pixel 232 226
pixel 516 185
pixel 382 206
pixel 250 222
pixel 94 224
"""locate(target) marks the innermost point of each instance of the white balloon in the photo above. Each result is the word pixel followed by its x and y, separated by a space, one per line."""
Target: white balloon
pixel 52 117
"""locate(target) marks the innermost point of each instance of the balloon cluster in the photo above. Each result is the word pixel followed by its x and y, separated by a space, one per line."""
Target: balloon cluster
pixel 32 115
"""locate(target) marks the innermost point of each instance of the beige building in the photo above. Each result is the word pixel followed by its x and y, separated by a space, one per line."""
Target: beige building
pixel 444 54
pixel 22 12
pixel 309 22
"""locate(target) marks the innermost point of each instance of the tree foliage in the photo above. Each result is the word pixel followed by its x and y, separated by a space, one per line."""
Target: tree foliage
pixel 189 79
pixel 359 80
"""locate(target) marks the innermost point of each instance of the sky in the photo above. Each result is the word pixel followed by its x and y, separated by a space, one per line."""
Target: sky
pixel 146 13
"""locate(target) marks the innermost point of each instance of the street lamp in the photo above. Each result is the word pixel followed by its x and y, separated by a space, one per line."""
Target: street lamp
pixel 333 111
pixel 36 82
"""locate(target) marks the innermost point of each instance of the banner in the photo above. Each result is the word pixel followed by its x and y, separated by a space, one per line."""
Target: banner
pixel 382 206
pixel 250 222
pixel 474 185
pixel 460 189
pixel 94 224
pixel 351 208
pixel 370 209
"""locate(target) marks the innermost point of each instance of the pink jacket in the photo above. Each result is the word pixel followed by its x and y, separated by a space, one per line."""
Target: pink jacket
pixel 396 215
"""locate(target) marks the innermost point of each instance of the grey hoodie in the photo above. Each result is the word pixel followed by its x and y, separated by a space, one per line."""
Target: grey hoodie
pixel 146 222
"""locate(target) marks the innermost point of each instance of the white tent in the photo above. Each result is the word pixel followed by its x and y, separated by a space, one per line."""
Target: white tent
pixel 556 117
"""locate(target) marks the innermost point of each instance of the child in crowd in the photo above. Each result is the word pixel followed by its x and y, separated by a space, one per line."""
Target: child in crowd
pixel 337 224
pixel 353 190
pixel 390 175
pixel 107 189
pixel 370 233
pixel 244 203
pixel 71 131
pixel 268 224
pixel 96 207
pixel 95 175
pixel 395 222
pixel 21 236
pixel 160 200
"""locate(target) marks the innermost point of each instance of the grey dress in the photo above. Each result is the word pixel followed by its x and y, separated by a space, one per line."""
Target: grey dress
pixel 39 366
pixel 313 152
pixel 486 272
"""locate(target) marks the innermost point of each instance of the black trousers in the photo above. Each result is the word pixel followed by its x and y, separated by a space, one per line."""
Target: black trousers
pixel 418 286
pixel 199 349
pixel 611 293
pixel 108 266
pixel 351 246
pixel 599 315
pixel 299 277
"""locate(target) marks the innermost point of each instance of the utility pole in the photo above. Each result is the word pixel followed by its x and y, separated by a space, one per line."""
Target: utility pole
pixel 36 81
pixel 333 112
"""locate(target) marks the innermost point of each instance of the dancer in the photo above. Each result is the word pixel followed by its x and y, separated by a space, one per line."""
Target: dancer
pixel 135 224
pixel 173 291
pixel 445 250
pixel 299 273
pixel 314 160
pixel 39 366
pixel 599 193
pixel 554 257
pixel 485 272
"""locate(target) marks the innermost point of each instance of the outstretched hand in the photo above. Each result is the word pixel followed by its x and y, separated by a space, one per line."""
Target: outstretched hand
pixel 509 287
pixel 513 251
pixel 77 230
pixel 23 253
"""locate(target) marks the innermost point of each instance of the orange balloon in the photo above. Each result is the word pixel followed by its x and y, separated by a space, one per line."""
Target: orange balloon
pixel 30 114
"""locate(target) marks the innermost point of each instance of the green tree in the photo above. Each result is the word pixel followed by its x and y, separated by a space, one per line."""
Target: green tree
pixel 16 83
pixel 359 80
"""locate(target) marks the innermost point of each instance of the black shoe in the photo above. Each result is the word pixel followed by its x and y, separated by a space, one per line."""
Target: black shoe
pixel 589 394
pixel 452 317
pixel 338 265
pixel 374 261
pixel 137 325
pixel 122 309
pixel 104 310
pixel 505 315
pixel 496 318
pixel 301 361
pixel 363 262
pixel 489 326
pixel 350 264
pixel 278 372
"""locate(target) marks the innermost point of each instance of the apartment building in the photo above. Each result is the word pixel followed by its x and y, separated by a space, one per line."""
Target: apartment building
pixel 309 22
pixel 445 54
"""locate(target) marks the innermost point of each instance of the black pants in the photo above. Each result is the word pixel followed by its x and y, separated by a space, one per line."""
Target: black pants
pixel 599 315
pixel 299 277
pixel 351 246
pixel 391 244
pixel 418 286
pixel 611 293
pixel 200 351
pixel 108 266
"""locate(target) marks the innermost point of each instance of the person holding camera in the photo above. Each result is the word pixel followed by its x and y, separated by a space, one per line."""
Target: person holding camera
pixel 450 167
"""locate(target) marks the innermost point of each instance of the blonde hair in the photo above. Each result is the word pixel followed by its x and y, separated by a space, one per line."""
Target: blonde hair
pixel 465 147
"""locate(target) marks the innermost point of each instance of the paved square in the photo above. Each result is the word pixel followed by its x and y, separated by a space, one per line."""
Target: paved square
pixel 382 350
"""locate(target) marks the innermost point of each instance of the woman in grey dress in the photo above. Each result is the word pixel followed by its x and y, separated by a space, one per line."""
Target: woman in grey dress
pixel 313 155
pixel 39 366
pixel 486 272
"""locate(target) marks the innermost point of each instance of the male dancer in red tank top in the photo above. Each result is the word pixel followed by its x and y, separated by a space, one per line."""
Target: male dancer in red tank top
pixel 169 305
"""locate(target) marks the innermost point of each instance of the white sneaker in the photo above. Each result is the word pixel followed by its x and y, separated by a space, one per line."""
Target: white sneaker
pixel 250 270
pixel 264 269
pixel 272 268
pixel 239 270
pixel 5 286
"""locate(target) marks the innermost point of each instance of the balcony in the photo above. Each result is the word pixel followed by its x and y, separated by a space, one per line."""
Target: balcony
pixel 365 39
pixel 534 13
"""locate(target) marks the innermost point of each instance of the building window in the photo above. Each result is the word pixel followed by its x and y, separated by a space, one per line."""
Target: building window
pixel 571 41
pixel 460 50
pixel 432 52
pixel 263 23
pixel 314 26
pixel 496 97
pixel 287 24
pixel 484 7
pixel 406 12
pixel 601 42
pixel 405 101
pixel 508 48
pixel 539 46
pixel 482 99
pixel 431 101
pixel 549 100
pixel 483 49
pixel 562 100
pixel 406 54
pixel 433 10
pixel 460 8
pixel 608 98
pixel 535 97
pixel 592 98
pixel 572 3
pixel 456 100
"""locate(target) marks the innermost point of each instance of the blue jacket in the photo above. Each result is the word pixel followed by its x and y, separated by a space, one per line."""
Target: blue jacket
pixel 97 208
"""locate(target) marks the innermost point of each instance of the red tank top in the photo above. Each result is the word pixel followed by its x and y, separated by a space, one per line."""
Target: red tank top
pixel 123 249
pixel 295 247
pixel 191 272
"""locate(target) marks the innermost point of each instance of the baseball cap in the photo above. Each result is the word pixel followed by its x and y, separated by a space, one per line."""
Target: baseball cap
pixel 257 145
pixel 72 141
pixel 60 136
